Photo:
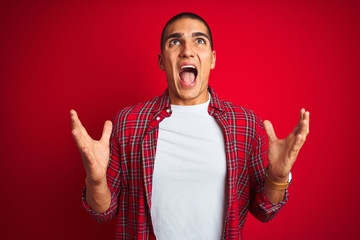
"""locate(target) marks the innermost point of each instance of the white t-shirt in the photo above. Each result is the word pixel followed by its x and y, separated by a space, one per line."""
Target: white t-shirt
pixel 189 180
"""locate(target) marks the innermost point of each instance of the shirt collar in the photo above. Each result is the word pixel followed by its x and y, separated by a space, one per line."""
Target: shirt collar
pixel 163 102
pixel 215 101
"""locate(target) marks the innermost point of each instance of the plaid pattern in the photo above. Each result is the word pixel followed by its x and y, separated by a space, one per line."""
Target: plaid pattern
pixel 132 155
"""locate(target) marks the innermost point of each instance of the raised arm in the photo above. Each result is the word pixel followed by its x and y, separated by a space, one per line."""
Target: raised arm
pixel 282 154
pixel 95 157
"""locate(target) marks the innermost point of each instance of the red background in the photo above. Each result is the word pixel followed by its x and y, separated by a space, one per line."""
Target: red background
pixel 98 57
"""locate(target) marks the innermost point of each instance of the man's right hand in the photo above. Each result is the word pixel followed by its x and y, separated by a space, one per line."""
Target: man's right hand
pixel 95 154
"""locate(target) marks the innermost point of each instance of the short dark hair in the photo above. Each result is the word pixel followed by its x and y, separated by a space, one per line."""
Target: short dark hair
pixel 180 16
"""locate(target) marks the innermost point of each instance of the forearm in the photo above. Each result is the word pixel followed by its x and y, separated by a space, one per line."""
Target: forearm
pixel 262 208
pixel 274 187
pixel 98 196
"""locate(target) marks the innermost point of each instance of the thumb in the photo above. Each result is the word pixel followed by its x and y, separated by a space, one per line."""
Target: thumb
pixel 107 131
pixel 270 131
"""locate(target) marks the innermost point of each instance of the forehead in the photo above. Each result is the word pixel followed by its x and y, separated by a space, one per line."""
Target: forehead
pixel 186 25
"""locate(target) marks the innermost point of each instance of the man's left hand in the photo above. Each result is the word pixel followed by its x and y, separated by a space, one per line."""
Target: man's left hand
pixel 282 153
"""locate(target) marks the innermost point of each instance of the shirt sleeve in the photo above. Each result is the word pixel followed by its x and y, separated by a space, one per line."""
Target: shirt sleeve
pixel 260 207
pixel 101 217
pixel 113 176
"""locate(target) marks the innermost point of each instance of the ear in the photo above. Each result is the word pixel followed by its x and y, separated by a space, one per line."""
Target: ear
pixel 161 61
pixel 213 60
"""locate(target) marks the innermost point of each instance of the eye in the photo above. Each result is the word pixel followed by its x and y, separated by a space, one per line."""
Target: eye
pixel 200 41
pixel 174 42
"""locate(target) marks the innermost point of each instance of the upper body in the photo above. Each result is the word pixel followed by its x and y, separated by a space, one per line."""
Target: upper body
pixel 187 57
pixel 132 157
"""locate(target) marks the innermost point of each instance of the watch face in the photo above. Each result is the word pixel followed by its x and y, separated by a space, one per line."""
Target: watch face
pixel 290 177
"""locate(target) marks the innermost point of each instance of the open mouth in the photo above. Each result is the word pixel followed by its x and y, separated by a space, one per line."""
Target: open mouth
pixel 188 74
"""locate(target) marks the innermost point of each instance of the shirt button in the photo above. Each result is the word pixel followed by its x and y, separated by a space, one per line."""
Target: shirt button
pixel 168 110
pixel 158 118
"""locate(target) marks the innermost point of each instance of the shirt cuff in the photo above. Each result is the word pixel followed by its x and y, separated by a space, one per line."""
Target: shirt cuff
pixel 268 207
pixel 100 217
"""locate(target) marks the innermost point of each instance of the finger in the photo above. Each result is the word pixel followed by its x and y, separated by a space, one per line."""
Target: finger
pixel 304 128
pixel 307 117
pixel 296 129
pixel 78 139
pixel 75 121
pixel 301 117
pixel 76 124
pixel 106 132
pixel 270 132
pixel 72 116
pixel 78 131
pixel 299 142
pixel 83 148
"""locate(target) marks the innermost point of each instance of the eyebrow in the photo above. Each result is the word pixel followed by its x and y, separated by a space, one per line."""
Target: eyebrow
pixel 194 34
pixel 199 34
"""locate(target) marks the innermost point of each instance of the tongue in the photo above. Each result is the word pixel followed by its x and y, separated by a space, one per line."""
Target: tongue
pixel 187 77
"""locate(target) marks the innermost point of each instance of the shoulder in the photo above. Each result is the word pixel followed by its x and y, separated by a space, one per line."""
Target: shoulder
pixel 143 110
pixel 236 111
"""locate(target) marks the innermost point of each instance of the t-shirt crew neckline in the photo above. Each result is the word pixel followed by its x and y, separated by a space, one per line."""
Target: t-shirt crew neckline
pixel 201 106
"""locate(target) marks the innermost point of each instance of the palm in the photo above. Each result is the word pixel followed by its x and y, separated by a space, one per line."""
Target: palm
pixel 278 155
pixel 97 160
pixel 95 154
pixel 282 153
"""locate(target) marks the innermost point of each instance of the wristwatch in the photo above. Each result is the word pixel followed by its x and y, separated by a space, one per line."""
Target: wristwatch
pixel 277 185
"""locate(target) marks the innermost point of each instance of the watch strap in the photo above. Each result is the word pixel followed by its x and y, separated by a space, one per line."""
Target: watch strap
pixel 276 185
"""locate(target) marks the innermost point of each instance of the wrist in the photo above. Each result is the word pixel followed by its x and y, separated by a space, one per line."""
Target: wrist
pixel 90 182
pixel 277 174
pixel 278 179
pixel 277 183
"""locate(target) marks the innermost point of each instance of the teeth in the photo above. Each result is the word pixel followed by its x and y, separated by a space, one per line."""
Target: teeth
pixel 188 66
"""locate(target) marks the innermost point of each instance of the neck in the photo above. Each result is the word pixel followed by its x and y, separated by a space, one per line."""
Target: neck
pixel 193 101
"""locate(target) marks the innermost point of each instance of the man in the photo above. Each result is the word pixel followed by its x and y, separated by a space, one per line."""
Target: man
pixel 186 165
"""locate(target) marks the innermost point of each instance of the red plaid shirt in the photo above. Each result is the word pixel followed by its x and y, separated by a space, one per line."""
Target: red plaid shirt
pixel 132 154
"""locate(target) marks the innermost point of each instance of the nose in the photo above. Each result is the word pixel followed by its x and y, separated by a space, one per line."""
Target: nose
pixel 187 50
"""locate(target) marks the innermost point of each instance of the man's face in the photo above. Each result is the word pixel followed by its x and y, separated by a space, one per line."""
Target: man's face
pixel 187 59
